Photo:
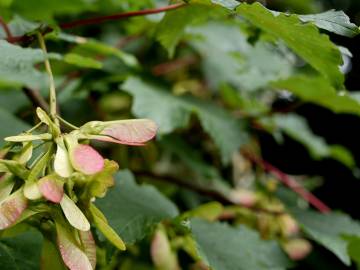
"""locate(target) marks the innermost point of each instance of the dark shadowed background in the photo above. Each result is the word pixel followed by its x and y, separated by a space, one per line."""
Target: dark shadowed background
pixel 341 184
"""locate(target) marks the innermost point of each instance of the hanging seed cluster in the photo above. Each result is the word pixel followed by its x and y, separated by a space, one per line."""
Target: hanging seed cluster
pixel 51 180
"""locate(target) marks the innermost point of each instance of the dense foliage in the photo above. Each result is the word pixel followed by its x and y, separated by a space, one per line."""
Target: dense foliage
pixel 187 186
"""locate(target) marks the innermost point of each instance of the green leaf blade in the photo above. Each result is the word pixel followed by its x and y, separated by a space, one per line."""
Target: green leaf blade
pixel 133 210
pixel 10 125
pixel 174 112
pixel 333 21
pixel 21 252
pixel 319 91
pixel 17 65
pixel 303 39
pixel 227 248
pixel 329 229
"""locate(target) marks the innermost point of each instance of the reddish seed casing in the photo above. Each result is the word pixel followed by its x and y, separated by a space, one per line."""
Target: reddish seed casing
pixel 136 132
pixel 89 246
pixel 73 257
pixel 11 209
pixel 87 160
pixel 51 189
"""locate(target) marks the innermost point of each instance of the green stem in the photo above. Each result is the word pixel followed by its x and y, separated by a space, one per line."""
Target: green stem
pixel 53 105
pixel 34 127
pixel 67 123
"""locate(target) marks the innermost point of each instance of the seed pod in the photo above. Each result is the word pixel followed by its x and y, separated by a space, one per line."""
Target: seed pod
pixel 51 188
pixel 71 253
pixel 86 159
pixel 31 191
pixel 297 249
pixel 243 197
pixel 288 225
pixel 26 153
pixel 103 226
pixel 89 246
pixel 11 209
pixel 62 163
pixel 162 255
pixel 7 183
pixel 129 132
pixel 74 215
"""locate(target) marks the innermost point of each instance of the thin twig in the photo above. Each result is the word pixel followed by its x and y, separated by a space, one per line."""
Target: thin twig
pixel 168 67
pixel 53 104
pixel 76 74
pixel 36 99
pixel 126 40
pixel 5 27
pixel 199 189
pixel 185 184
pixel 66 123
pixel 101 19
pixel 290 182
pixel 119 16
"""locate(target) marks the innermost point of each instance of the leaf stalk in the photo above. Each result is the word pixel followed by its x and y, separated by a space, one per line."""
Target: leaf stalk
pixel 53 104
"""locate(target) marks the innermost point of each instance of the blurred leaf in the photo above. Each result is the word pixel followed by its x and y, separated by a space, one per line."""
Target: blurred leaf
pixel 334 21
pixel 153 102
pixel 171 28
pixel 303 39
pixel 209 211
pixel 318 90
pixel 5 3
pixel 47 9
pixel 94 48
pixel 17 65
pixel 247 103
pixel 230 4
pixel 81 61
pixel 12 100
pixel 50 257
pixel 171 112
pixel 206 177
pixel 328 230
pixel 21 252
pixel 130 264
pixel 19 26
pixel 342 154
pixel 229 57
pixel 190 156
pixel 226 248
pixel 354 249
pixel 10 125
pixel 133 210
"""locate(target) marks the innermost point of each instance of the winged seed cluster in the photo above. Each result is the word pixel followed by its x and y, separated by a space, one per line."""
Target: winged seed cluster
pixel 51 180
